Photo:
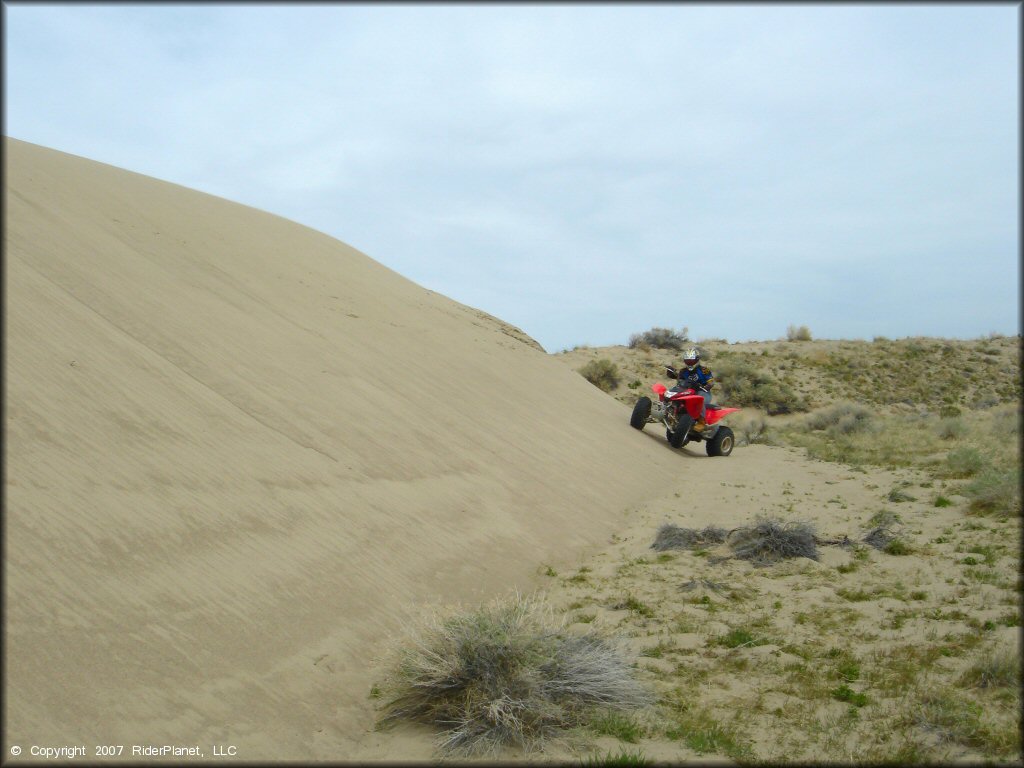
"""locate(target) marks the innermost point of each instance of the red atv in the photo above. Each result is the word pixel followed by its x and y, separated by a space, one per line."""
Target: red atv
pixel 679 408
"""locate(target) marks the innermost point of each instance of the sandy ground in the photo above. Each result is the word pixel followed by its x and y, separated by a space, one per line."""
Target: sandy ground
pixel 239 454
pixel 237 451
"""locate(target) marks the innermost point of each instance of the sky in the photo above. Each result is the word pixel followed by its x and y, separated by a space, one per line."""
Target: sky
pixel 582 171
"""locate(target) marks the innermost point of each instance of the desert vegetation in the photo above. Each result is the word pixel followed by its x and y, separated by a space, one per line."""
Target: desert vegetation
pixel 603 374
pixel 887 636
pixel 661 338
pixel 508 675
pixel 798 333
pixel 882 633
pixel 783 644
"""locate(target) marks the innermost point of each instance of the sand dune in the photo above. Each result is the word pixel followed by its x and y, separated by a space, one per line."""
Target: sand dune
pixel 238 451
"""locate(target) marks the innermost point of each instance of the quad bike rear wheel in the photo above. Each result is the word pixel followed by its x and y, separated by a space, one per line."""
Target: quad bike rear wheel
pixel 641 411
pixel 722 443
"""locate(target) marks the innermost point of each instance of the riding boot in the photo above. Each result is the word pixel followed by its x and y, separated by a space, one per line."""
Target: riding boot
pixel 699 425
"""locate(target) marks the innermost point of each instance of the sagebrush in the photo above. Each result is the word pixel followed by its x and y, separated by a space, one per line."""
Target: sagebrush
pixel 661 338
pixel 507 674
pixel 740 384
pixel 995 491
pixel 602 373
pixel 841 419
pixel 798 333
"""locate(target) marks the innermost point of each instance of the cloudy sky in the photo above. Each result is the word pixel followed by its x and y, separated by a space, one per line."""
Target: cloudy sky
pixel 582 171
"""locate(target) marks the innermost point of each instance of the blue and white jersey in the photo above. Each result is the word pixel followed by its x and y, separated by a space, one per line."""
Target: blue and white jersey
pixel 700 376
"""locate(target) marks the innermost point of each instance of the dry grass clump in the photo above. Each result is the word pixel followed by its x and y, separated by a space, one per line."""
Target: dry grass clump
pixel 879 537
pixel 603 374
pixel 508 674
pixel 1000 669
pixel 951 428
pixel 951 717
pixel 671 536
pixel 1006 419
pixel 751 428
pixel 768 541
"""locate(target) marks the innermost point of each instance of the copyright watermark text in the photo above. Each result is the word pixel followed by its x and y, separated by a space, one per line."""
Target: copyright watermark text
pixel 70 752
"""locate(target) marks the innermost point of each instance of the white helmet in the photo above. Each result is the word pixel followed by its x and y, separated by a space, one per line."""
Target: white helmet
pixel 690 358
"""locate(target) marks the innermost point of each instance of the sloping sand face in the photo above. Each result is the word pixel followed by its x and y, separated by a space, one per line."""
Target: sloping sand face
pixel 239 451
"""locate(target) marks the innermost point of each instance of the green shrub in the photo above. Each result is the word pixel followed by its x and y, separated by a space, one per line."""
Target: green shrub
pixel 661 338
pixel 897 546
pixel 845 693
pixel 703 733
pixel 508 674
pixel 995 492
pixel 603 374
pixel 616 724
pixel 743 385
pixel 738 636
pixel 848 669
pixel 633 605
pixel 964 462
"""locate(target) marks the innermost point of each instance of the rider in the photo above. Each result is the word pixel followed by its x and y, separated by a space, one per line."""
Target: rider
pixel 695 376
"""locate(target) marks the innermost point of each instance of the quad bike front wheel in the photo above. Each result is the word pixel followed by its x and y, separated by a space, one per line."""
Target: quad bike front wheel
pixel 641 411
pixel 677 436
pixel 722 443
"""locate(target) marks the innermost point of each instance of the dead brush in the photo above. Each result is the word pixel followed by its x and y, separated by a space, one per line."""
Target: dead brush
pixel 879 537
pixel 751 428
pixel 505 675
pixel 671 536
pixel 768 541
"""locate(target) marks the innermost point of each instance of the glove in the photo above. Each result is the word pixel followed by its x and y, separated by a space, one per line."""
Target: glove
pixel 671 372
